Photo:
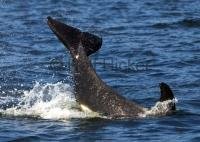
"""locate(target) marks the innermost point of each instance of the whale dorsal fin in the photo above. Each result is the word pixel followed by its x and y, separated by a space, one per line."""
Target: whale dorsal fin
pixel 166 94
pixel 71 37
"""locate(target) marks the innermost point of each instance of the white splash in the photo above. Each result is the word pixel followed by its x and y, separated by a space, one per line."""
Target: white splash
pixel 57 101
pixel 160 108
pixel 49 101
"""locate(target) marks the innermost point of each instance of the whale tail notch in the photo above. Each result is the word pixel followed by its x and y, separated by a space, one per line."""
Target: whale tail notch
pixel 166 94
pixel 71 37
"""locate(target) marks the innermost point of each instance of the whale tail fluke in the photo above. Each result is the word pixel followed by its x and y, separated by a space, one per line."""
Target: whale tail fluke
pixel 71 37
pixel 166 94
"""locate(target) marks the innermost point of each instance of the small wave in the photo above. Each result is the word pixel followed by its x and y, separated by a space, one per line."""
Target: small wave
pixel 47 101
pixel 161 25
pixel 188 23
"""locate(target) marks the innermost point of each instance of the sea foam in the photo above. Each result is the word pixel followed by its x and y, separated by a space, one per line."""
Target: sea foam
pixel 47 101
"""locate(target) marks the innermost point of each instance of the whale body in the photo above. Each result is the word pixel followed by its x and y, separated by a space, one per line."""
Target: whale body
pixel 91 92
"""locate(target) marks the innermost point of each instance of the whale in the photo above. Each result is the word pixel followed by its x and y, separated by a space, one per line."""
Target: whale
pixel 91 92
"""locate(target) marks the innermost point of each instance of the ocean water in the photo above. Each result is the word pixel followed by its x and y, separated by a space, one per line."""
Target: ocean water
pixel 144 43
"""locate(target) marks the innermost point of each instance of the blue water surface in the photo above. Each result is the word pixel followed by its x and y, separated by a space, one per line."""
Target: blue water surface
pixel 144 43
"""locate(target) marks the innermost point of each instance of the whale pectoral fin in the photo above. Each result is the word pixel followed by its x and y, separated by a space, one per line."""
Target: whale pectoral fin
pixel 166 94
pixel 71 37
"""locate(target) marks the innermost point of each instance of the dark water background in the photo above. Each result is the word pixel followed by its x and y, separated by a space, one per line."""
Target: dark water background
pixel 147 41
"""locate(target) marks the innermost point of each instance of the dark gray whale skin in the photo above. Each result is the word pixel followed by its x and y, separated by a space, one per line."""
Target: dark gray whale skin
pixel 90 90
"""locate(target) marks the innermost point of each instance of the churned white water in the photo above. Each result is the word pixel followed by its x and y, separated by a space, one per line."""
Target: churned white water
pixel 57 101
pixel 160 108
pixel 48 101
